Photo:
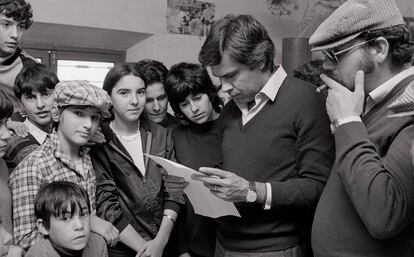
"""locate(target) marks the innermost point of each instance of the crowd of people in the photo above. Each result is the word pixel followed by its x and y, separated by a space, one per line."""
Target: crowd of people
pixel 317 164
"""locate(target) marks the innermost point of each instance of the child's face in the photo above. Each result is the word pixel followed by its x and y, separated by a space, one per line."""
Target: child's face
pixel 4 137
pixel 128 98
pixel 77 124
pixel 70 232
pixel 37 106
pixel 198 108
pixel 5 241
pixel 11 32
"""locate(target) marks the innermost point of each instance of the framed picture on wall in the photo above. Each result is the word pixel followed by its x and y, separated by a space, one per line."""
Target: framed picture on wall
pixel 190 17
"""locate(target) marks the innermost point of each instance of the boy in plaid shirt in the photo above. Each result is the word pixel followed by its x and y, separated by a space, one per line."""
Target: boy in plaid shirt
pixel 77 112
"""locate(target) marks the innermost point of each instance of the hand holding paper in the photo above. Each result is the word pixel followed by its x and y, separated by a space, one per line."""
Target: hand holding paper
pixel 203 201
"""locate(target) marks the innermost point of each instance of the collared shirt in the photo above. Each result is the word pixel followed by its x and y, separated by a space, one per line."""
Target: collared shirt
pixel 45 165
pixel 378 94
pixel 36 132
pixel 268 92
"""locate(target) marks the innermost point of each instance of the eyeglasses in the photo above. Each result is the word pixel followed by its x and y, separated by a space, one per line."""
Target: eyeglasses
pixel 333 56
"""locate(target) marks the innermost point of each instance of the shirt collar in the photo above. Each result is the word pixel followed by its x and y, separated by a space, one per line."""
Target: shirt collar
pixel 83 151
pixel 272 86
pixel 381 92
pixel 36 132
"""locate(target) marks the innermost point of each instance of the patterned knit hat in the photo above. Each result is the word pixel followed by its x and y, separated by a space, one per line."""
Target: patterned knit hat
pixel 353 18
pixel 80 92
pixel 404 105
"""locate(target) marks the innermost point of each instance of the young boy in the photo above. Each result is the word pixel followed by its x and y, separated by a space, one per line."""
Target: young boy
pixel 34 88
pixel 15 19
pixel 77 111
pixel 63 217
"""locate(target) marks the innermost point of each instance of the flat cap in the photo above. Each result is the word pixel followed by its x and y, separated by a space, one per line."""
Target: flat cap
pixel 353 18
pixel 404 104
pixel 82 93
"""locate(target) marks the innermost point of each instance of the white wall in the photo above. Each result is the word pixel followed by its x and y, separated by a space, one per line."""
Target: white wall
pixel 171 48
pixel 149 16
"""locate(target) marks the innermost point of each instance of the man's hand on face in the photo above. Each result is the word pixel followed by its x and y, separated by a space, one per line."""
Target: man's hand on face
pixel 341 102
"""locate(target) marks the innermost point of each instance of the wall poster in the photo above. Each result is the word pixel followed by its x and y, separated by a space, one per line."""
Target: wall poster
pixel 190 17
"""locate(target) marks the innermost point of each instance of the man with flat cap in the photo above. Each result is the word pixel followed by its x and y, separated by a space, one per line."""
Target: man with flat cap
pixel 367 207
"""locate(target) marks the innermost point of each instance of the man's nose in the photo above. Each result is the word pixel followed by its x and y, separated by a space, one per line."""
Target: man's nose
pixel 226 86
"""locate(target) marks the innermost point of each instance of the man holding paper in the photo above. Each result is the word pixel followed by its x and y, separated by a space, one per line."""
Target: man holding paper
pixel 277 146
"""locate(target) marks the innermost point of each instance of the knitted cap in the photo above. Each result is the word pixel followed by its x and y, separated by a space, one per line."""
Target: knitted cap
pixel 353 18
pixel 404 105
pixel 80 92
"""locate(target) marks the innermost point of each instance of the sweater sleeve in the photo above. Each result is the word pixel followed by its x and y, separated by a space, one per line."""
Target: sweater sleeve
pixel 314 159
pixel 107 203
pixel 381 188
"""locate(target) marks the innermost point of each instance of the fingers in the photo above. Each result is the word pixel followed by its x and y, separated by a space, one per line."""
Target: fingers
pixel 359 82
pixel 330 83
pixel 112 236
pixel 213 172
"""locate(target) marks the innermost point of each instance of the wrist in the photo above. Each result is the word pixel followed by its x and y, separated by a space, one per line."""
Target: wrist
pixel 261 192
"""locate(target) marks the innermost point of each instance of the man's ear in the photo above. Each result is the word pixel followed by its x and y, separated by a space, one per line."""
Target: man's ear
pixel 55 113
pixel 41 227
pixel 382 48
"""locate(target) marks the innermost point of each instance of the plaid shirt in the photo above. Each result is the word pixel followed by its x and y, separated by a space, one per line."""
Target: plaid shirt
pixel 46 164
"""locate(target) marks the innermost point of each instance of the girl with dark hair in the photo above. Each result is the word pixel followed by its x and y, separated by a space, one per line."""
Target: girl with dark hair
pixel 130 189
pixel 193 97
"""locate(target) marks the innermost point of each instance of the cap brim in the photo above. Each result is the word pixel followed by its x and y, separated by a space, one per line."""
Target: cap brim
pixel 336 43
pixel 401 114
pixel 104 112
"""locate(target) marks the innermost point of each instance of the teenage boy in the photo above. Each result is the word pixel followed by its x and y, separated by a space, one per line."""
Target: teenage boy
pixel 34 88
pixel 156 105
pixel 15 19
pixel 78 109
pixel 63 218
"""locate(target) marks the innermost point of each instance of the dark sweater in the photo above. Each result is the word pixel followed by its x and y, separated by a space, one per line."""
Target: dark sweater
pixel 368 203
pixel 196 146
pixel 289 144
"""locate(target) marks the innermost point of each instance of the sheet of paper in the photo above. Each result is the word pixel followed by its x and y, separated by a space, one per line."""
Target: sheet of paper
pixel 203 201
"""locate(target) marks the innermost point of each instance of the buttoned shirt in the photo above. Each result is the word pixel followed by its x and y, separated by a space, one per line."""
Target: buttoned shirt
pixel 267 93
pixel 46 164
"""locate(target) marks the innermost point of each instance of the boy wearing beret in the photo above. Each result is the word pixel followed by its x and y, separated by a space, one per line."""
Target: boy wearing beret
pixel 367 207
pixel 76 113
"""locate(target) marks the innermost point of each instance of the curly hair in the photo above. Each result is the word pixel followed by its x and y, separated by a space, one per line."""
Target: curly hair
pixel 19 10
pixel 244 38
pixel 401 49
pixel 184 79
pixel 152 71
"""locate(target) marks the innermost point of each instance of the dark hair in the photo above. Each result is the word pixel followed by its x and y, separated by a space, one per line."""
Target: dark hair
pixel 34 77
pixel 19 10
pixel 184 79
pixel 117 73
pixel 401 49
pixel 54 199
pixel 6 106
pixel 152 71
pixel 244 38
pixel 310 72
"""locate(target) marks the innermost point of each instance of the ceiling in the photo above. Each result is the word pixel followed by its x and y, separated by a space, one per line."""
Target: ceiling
pixel 54 36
